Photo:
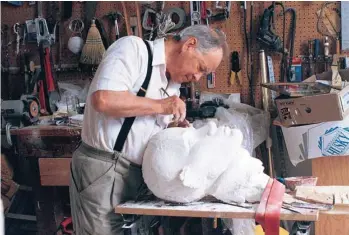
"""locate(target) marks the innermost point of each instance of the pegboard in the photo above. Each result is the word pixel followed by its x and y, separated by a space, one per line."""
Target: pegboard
pixel 233 27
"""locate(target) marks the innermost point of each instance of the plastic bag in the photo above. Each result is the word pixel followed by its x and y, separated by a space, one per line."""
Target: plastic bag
pixel 252 122
pixel 70 93
pixel 258 119
pixel 233 119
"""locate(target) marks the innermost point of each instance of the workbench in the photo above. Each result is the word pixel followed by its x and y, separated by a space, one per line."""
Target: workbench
pixel 204 209
pixel 49 150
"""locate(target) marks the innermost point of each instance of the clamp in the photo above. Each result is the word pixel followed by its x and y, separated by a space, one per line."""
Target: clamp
pixel 268 211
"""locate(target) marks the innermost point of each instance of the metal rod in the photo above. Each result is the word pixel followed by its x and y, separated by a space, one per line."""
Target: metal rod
pixel 265 101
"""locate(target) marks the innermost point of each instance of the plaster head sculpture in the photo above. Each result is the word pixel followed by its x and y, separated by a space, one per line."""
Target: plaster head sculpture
pixel 187 164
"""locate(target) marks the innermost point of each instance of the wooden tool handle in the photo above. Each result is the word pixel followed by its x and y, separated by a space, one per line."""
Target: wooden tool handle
pixel 128 28
pixel 338 47
pixel 139 24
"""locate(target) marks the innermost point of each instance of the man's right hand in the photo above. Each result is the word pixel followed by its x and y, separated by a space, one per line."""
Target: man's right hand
pixel 174 105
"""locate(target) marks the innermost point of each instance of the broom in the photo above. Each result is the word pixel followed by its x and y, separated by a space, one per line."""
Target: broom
pixel 93 49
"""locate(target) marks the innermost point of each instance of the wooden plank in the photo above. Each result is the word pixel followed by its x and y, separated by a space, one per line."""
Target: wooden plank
pixel 54 171
pixel 310 194
pixel 339 195
pixel 332 171
pixel 204 210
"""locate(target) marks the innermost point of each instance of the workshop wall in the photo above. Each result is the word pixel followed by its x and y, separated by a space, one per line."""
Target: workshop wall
pixel 233 27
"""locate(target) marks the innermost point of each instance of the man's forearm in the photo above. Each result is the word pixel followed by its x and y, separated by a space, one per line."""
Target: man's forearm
pixel 120 104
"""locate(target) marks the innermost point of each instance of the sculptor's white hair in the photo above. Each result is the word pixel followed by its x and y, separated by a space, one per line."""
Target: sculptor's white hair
pixel 208 38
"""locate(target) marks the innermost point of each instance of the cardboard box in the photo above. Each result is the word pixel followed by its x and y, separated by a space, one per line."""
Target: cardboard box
pixel 313 109
pixel 317 140
pixel 333 106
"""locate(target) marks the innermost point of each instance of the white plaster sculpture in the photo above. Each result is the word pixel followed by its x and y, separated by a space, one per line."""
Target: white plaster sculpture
pixel 187 164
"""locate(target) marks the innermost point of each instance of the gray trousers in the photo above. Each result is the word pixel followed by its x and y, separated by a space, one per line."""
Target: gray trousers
pixel 99 181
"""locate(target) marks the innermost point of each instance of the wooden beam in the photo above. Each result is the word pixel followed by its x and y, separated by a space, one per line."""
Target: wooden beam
pixel 54 171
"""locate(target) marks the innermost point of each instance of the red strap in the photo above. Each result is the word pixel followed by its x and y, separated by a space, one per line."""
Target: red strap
pixel 260 213
pixel 272 213
pixel 42 96
pixel 268 211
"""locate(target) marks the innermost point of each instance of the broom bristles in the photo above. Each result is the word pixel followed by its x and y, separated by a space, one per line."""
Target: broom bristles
pixel 93 50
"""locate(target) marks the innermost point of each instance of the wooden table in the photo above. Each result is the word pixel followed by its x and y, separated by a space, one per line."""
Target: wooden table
pixel 49 150
pixel 204 210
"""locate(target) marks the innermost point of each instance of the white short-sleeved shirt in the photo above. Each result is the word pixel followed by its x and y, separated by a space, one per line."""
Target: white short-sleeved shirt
pixel 124 67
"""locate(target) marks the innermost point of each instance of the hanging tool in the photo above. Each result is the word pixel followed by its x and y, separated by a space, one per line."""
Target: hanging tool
pixel 235 75
pixel 139 24
pixel 290 50
pixel 16 29
pixel 331 19
pixel 53 19
pixel 114 18
pixel 311 60
pixel 177 16
pixel 326 52
pixel 266 34
pixel 271 75
pixel 48 94
pixel 149 22
pixel 248 41
pixel 211 80
pixel 195 12
pixel 195 17
pixel 42 31
pixel 5 64
pixel 316 54
pixel 75 42
pixel 127 23
pixel 222 15
pixel 204 13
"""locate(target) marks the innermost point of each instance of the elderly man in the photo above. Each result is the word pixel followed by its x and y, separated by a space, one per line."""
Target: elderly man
pixel 126 105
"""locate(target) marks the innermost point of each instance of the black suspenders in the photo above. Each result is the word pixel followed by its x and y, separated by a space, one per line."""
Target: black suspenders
pixel 127 124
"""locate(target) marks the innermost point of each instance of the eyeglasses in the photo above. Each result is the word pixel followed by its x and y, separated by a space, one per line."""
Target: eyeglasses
pixel 202 65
